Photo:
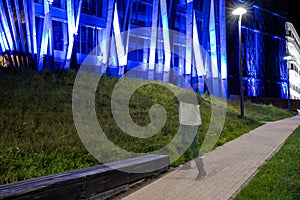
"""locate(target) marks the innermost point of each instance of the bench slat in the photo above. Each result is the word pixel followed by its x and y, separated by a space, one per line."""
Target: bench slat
pixel 87 182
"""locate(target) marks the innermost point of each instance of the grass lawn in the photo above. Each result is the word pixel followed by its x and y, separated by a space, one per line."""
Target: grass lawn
pixel 38 136
pixel 279 177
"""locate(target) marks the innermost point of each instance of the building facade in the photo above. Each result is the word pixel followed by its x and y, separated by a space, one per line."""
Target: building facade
pixel 59 34
pixel 263 49
pixel 293 61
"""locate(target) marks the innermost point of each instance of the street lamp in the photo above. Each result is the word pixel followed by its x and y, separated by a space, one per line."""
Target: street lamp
pixel 240 11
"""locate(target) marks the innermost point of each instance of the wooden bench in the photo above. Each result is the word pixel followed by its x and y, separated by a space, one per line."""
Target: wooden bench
pixel 88 183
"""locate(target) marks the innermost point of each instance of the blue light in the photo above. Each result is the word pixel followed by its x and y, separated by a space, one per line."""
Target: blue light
pixel 223 38
pixel 213 42
pixel 252 87
pixel 284 90
pixel 3 42
pixel 197 50
pixel 166 35
pixel 33 25
pixel 121 54
pixel 203 28
pixel 6 28
pixel 224 67
pixel 154 26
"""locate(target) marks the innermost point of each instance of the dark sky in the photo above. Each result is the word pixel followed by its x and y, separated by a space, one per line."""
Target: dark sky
pixel 294 14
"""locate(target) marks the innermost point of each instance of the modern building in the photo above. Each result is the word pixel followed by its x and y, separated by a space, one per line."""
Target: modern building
pixel 59 34
pixel 293 61
pixel 263 49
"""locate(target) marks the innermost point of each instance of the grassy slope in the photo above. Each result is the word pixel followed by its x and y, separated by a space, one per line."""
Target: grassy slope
pixel 38 136
pixel 279 177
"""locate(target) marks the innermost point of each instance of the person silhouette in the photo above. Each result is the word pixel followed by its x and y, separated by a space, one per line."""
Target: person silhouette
pixel 190 121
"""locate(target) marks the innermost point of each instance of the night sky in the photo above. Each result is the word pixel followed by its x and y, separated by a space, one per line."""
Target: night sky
pixel 294 14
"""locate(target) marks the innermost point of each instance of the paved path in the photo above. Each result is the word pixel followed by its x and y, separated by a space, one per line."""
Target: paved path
pixel 228 167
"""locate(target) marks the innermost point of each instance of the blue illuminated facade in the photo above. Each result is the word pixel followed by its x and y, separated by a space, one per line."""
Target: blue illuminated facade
pixel 263 49
pixel 59 34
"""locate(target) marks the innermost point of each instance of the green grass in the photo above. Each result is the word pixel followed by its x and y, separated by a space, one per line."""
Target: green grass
pixel 279 177
pixel 38 136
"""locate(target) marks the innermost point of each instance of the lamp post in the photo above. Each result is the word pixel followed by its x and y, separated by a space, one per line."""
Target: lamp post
pixel 240 11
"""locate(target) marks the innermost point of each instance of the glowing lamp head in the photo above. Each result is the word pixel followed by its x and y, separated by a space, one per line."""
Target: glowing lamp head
pixel 239 11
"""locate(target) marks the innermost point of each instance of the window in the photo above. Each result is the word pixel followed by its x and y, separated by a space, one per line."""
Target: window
pixel 139 15
pixel 292 67
pixel 90 39
pixel 57 3
pixel 83 40
pixel 57 35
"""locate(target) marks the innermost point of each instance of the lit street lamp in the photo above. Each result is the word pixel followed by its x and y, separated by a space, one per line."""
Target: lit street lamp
pixel 240 11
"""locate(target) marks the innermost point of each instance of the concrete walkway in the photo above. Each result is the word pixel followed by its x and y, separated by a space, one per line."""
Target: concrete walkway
pixel 228 167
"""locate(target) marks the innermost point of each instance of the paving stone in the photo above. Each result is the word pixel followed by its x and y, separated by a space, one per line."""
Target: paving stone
pixel 228 167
